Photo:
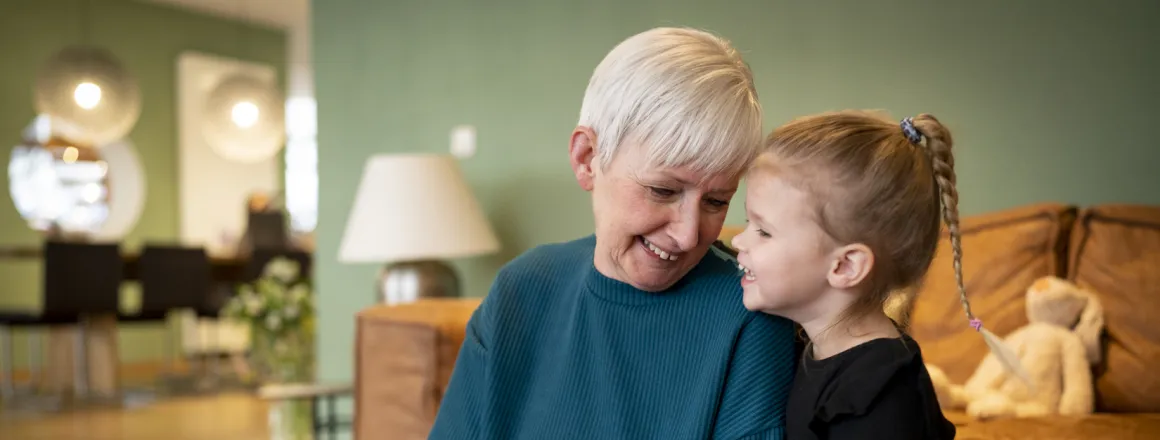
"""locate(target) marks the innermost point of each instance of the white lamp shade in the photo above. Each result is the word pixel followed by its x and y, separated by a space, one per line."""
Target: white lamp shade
pixel 245 119
pixel 89 88
pixel 413 207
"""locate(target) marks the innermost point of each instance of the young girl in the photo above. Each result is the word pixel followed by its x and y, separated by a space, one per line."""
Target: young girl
pixel 843 209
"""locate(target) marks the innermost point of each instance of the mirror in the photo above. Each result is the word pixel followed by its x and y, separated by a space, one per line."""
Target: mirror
pixel 66 188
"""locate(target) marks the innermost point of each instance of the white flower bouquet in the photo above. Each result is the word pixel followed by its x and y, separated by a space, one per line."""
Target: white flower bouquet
pixel 279 308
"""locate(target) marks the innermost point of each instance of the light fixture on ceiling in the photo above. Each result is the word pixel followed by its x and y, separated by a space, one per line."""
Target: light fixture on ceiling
pixel 245 119
pixel 89 88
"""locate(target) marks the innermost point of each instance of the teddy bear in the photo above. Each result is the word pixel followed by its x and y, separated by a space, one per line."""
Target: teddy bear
pixel 1058 348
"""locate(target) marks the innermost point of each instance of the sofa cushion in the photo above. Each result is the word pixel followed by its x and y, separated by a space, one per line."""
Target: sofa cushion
pixel 405 355
pixel 1003 253
pixel 1115 252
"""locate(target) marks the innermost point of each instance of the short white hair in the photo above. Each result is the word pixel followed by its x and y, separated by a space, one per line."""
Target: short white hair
pixel 684 94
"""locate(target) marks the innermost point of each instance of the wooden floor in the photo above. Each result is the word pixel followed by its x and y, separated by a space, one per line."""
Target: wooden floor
pixel 238 416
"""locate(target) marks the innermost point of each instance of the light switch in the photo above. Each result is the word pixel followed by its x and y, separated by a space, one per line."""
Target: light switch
pixel 463 141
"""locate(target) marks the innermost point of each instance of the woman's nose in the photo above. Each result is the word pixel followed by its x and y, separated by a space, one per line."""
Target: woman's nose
pixel 685 228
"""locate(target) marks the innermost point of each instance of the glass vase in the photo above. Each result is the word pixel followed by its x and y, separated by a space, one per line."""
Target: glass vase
pixel 283 356
pixel 291 420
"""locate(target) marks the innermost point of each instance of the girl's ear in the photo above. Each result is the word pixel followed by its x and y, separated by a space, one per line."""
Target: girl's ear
pixel 850 266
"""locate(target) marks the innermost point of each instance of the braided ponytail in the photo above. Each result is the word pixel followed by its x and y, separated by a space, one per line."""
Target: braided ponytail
pixel 938 147
pixel 926 131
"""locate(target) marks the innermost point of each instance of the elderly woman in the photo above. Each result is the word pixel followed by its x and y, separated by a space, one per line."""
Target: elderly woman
pixel 638 331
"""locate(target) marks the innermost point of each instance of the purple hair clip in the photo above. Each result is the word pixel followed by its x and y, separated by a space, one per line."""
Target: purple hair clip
pixel 977 324
pixel 912 134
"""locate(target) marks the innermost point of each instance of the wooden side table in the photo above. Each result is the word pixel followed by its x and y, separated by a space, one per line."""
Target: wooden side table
pixel 405 355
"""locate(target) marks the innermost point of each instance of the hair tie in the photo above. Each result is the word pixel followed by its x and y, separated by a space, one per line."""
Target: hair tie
pixel 911 133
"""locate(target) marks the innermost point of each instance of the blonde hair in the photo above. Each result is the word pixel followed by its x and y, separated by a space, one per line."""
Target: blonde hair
pixel 878 185
pixel 684 94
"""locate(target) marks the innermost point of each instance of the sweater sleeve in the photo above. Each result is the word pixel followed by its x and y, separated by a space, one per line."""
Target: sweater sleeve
pixel 464 405
pixel 758 383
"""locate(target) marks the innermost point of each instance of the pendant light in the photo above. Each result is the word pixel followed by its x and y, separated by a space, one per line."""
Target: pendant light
pixel 244 115
pixel 88 87
pixel 244 119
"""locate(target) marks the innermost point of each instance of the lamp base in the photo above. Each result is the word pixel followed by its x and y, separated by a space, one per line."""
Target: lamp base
pixel 406 282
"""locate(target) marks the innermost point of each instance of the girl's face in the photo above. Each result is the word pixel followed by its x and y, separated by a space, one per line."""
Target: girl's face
pixel 784 253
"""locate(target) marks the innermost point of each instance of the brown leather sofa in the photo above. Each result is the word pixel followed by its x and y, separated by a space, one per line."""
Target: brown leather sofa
pixel 405 354
pixel 1113 250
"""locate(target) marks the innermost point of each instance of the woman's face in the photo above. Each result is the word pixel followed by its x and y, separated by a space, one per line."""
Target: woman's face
pixel 652 224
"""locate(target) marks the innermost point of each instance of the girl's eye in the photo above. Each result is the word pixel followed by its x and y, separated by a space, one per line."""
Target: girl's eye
pixel 760 232
pixel 661 192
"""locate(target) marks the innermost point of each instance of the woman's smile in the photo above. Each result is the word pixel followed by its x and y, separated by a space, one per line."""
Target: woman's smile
pixel 657 251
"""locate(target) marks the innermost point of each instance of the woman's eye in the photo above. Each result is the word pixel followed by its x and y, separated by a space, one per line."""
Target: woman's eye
pixel 718 203
pixel 661 192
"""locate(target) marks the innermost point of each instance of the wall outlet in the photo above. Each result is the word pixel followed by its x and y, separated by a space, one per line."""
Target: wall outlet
pixel 463 141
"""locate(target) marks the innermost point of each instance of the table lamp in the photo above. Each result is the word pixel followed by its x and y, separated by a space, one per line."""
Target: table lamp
pixel 411 212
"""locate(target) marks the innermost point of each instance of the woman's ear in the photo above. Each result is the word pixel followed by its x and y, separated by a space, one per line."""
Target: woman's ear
pixel 851 265
pixel 582 152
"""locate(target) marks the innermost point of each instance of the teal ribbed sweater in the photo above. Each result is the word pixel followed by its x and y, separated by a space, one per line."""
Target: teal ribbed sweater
pixel 559 351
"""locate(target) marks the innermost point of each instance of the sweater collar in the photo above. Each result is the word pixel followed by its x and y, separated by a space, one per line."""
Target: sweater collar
pixel 613 290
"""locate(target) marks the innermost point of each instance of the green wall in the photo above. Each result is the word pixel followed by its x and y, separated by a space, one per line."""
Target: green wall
pixel 1032 89
pixel 148 39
